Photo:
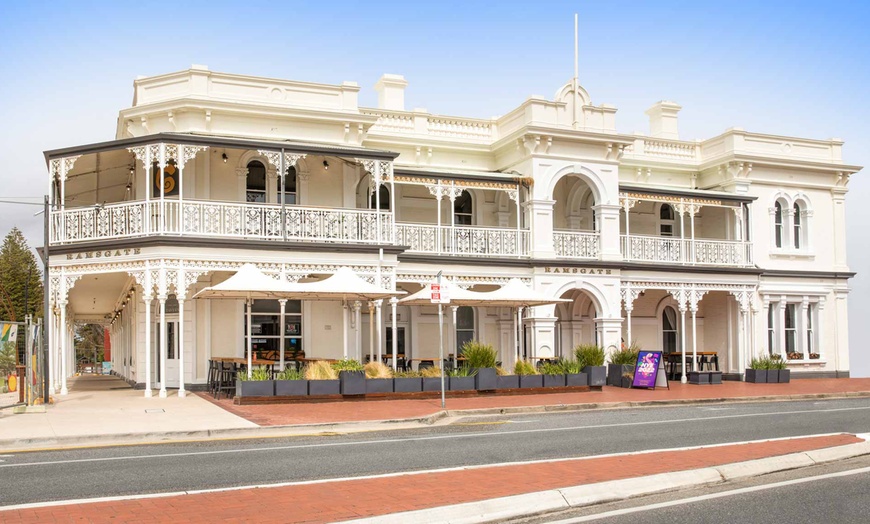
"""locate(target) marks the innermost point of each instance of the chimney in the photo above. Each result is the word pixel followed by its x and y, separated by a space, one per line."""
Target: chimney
pixel 391 92
pixel 663 119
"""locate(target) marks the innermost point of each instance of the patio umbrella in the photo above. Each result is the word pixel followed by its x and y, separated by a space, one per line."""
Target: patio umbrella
pixel 248 283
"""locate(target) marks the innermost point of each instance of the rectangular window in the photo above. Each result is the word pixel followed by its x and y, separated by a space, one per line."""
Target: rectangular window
pixel 791 328
pixel 771 329
pixel 266 333
pixel 811 347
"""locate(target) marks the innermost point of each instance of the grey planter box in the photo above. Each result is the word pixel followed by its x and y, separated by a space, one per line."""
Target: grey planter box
pixel 615 371
pixel 352 382
pixel 554 381
pixel 531 381
pixel 407 385
pixel 485 379
pixel 784 376
pixel 576 379
pixel 507 382
pixel 772 376
pixel 597 375
pixel 625 382
pixel 757 376
pixel 324 387
pixel 291 388
pixel 699 377
pixel 715 377
pixel 434 384
pixel 379 385
pixel 461 383
pixel 255 388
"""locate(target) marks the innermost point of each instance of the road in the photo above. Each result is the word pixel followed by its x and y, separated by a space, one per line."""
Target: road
pixel 99 472
pixel 830 493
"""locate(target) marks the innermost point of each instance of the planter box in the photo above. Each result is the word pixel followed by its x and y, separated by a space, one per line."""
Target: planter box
pixel 699 377
pixel 255 388
pixel 715 377
pixel 554 381
pixel 577 379
pixel 757 376
pixel 597 375
pixel 379 385
pixel 407 385
pixel 434 384
pixel 291 388
pixel 615 371
pixel 784 376
pixel 324 387
pixel 485 379
pixel 352 382
pixel 625 382
pixel 461 383
pixel 531 381
pixel 772 376
pixel 507 382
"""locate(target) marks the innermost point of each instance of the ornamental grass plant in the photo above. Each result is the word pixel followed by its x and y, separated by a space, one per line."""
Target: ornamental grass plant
pixel 571 366
pixel 462 371
pixel 320 370
pixel 347 364
pixel 290 373
pixel 478 355
pixel 551 368
pixel 376 369
pixel 589 355
pixel 626 356
pixel 523 367
pixel 432 372
pixel 258 374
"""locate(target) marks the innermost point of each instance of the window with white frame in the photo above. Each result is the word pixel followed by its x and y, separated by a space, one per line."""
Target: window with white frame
pixel 290 187
pixel 382 199
pixel 463 209
pixel 771 329
pixel 255 188
pixel 778 224
pixel 669 330
pixel 796 225
pixel 790 328
pixel 464 327
pixel 266 331
pixel 667 222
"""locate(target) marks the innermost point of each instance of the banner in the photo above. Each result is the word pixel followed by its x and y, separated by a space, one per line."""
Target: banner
pixel 8 333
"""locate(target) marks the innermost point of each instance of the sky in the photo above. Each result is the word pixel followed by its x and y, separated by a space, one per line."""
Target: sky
pixel 789 68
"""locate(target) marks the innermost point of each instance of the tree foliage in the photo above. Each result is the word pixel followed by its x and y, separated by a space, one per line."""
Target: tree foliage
pixel 20 274
pixel 88 339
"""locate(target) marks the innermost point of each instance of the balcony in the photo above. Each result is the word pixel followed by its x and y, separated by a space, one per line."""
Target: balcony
pixel 576 244
pixel 212 219
pixel 700 252
pixel 463 240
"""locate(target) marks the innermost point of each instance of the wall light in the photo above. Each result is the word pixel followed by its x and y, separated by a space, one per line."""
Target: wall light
pixel 325 165
pixel 224 156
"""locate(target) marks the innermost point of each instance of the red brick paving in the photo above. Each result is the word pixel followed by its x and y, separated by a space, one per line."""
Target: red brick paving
pixel 354 411
pixel 350 499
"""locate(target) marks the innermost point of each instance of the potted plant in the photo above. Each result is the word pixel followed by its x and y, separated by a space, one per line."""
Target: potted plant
pixel 322 379
pixel 783 373
pixel 573 370
pixel 351 376
pixel 528 375
pixel 504 380
pixel 621 361
pixel 291 383
pixel 257 383
pixel 626 379
pixel 553 375
pixel 794 355
pixel 408 382
pixel 773 369
pixel 432 379
pixel 481 358
pixel 592 358
pixel 757 372
pixel 379 378
pixel 699 377
pixel 461 378
pixel 815 356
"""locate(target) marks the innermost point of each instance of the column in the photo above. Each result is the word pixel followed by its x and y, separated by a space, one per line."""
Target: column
pixel 627 204
pixel 181 392
pixel 454 342
pixel 693 308
pixel 607 220
pixel 343 330
pixel 394 302
pixel 683 340
pixel 692 210
pixel 518 328
pixel 161 299
pixel 63 348
pixel 357 306
pixel 147 298
pixel 379 338
pixel 371 330
pixel 541 224
pixel 802 328
pixel 781 327
pixel 681 210
pixel 281 329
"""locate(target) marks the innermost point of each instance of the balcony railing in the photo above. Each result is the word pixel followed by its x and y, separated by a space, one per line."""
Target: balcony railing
pixel 463 240
pixel 668 250
pixel 576 244
pixel 222 220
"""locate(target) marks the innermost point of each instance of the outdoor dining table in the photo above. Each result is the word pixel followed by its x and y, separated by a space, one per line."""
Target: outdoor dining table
pixel 676 359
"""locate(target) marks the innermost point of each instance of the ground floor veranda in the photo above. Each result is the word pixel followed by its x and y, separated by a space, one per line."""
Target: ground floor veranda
pixel 162 338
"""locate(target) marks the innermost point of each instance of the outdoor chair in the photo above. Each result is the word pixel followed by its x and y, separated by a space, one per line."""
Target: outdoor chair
pixel 424 364
pixel 226 381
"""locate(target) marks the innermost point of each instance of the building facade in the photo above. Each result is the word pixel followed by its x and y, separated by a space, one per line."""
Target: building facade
pixel 733 245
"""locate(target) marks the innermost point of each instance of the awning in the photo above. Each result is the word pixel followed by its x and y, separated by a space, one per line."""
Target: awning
pixel 248 283
pixel 343 285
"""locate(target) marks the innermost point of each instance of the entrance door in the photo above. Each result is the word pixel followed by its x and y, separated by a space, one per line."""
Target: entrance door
pixel 172 354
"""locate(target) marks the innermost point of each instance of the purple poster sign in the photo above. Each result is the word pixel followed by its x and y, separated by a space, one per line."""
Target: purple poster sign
pixel 646 369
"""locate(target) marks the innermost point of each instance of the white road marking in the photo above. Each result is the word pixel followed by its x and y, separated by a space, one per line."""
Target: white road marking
pixel 489 435
pixel 53 503
pixel 722 494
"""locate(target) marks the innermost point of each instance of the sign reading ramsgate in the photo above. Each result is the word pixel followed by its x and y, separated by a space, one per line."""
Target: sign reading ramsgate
pixel 578 270
pixel 103 254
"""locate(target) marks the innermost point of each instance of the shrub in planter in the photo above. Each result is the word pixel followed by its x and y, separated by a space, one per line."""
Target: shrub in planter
pixel 591 357
pixel 461 378
pixel 258 383
pixel 376 369
pixel 408 382
pixel 528 375
pixel 351 376
pixel 482 358
pixel 626 379
pixel 379 378
pixel 553 376
pixel 322 378
pixel 504 380
pixel 573 372
pixel 757 372
pixel 621 361
pixel 432 379
pixel 783 374
pixel 290 383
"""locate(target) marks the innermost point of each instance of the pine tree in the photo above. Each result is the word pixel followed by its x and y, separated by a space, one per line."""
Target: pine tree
pixel 20 274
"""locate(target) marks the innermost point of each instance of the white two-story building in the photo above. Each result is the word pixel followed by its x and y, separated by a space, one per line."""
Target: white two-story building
pixel 735 244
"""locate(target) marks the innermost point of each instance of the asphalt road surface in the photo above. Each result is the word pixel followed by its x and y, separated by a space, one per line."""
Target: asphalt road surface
pixel 125 470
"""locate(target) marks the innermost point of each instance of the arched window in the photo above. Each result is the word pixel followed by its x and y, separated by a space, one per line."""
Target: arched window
pixel 669 330
pixel 797 226
pixel 666 221
pixel 383 196
pixel 290 196
pixel 463 209
pixel 464 326
pixel 777 223
pixel 255 187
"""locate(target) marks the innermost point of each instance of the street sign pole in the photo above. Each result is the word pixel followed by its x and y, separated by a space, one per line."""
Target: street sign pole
pixel 441 340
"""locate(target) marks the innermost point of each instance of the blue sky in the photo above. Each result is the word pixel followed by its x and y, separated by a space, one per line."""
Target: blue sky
pixel 791 68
